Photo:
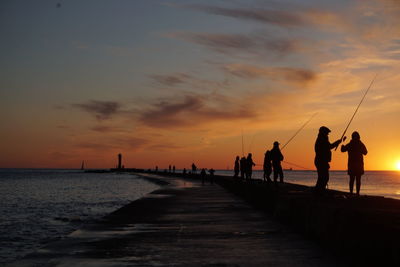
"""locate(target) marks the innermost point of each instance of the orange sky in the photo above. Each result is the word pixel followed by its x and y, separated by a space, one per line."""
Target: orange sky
pixel 181 83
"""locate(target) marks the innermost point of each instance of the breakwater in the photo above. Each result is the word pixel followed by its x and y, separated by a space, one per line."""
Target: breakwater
pixel 365 229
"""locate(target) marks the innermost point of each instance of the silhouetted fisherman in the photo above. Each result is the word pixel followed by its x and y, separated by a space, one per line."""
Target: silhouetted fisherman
pixel 355 165
pixel 243 167
pixel 267 166
pixel 203 175
pixel 156 168
pixel 276 158
pixel 194 168
pixel 323 156
pixel 184 172
pixel 237 167
pixel 249 166
pixel 211 171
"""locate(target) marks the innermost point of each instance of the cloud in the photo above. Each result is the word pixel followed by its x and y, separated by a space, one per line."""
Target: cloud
pixel 269 16
pixel 105 129
pixel 289 74
pixel 234 43
pixel 193 111
pixel 102 110
pixel 171 79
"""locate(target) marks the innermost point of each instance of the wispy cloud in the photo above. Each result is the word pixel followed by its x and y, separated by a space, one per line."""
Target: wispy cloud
pixel 241 43
pixel 289 74
pixel 171 79
pixel 102 110
pixel 270 16
pixel 192 110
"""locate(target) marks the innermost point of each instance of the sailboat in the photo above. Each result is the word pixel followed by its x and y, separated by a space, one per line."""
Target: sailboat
pixel 83 165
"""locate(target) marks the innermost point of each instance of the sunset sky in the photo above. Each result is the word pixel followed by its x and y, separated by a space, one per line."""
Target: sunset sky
pixel 176 82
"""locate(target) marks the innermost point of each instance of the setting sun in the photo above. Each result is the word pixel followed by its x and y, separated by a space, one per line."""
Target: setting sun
pixel 397 165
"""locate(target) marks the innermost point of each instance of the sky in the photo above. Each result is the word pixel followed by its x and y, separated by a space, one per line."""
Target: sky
pixel 176 82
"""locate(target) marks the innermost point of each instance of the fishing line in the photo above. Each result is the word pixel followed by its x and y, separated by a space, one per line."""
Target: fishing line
pixel 296 165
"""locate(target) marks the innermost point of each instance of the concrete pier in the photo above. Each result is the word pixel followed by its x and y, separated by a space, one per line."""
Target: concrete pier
pixel 185 224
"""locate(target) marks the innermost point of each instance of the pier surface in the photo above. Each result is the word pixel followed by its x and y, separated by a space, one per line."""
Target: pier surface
pixel 184 224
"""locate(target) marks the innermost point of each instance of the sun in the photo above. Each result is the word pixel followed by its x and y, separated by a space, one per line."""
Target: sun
pixel 397 165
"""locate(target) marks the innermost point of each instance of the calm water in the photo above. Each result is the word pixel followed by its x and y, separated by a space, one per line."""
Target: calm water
pixel 379 183
pixel 38 206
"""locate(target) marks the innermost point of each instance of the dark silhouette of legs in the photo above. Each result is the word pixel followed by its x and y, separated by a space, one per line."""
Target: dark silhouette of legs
pixel 351 183
pixel 358 184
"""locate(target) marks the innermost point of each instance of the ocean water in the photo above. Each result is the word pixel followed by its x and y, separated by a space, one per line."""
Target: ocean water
pixel 41 205
pixel 377 183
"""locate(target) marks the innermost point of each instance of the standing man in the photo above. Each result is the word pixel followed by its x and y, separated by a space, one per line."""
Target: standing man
pixel 276 158
pixel 323 156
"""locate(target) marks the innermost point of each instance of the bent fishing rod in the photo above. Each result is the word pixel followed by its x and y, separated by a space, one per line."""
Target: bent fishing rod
pixel 352 117
pixel 301 128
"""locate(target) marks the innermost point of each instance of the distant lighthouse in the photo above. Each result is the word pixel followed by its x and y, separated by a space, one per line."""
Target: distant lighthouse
pixel 119 161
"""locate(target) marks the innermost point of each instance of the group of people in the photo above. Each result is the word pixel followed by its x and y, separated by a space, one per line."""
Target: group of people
pixel 323 155
pixel 272 161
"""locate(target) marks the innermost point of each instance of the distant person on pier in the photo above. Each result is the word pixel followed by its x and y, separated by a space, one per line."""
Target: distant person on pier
pixel 203 175
pixel 249 166
pixel 194 168
pixel 184 172
pixel 236 167
pixel 323 156
pixel 156 168
pixel 355 165
pixel 211 171
pixel 276 158
pixel 243 167
pixel 267 166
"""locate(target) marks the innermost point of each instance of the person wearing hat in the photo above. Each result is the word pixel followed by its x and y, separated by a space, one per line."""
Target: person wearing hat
pixel 355 165
pixel 323 156
pixel 276 158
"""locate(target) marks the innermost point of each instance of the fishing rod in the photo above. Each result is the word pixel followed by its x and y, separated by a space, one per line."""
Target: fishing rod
pixel 352 117
pixel 301 128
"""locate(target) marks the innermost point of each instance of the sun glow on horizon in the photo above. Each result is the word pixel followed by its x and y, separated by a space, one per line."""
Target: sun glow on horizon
pixel 397 165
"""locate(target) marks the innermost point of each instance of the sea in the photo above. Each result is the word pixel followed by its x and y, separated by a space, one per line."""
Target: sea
pixel 38 206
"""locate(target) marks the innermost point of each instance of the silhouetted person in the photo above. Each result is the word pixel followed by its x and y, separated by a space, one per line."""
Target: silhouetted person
pixel 323 156
pixel 249 166
pixel 276 158
pixel 211 171
pixel 355 165
pixel 184 172
pixel 173 169
pixel 169 168
pixel 237 167
pixel 243 167
pixel 156 168
pixel 119 161
pixel 267 166
pixel 194 168
pixel 203 175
